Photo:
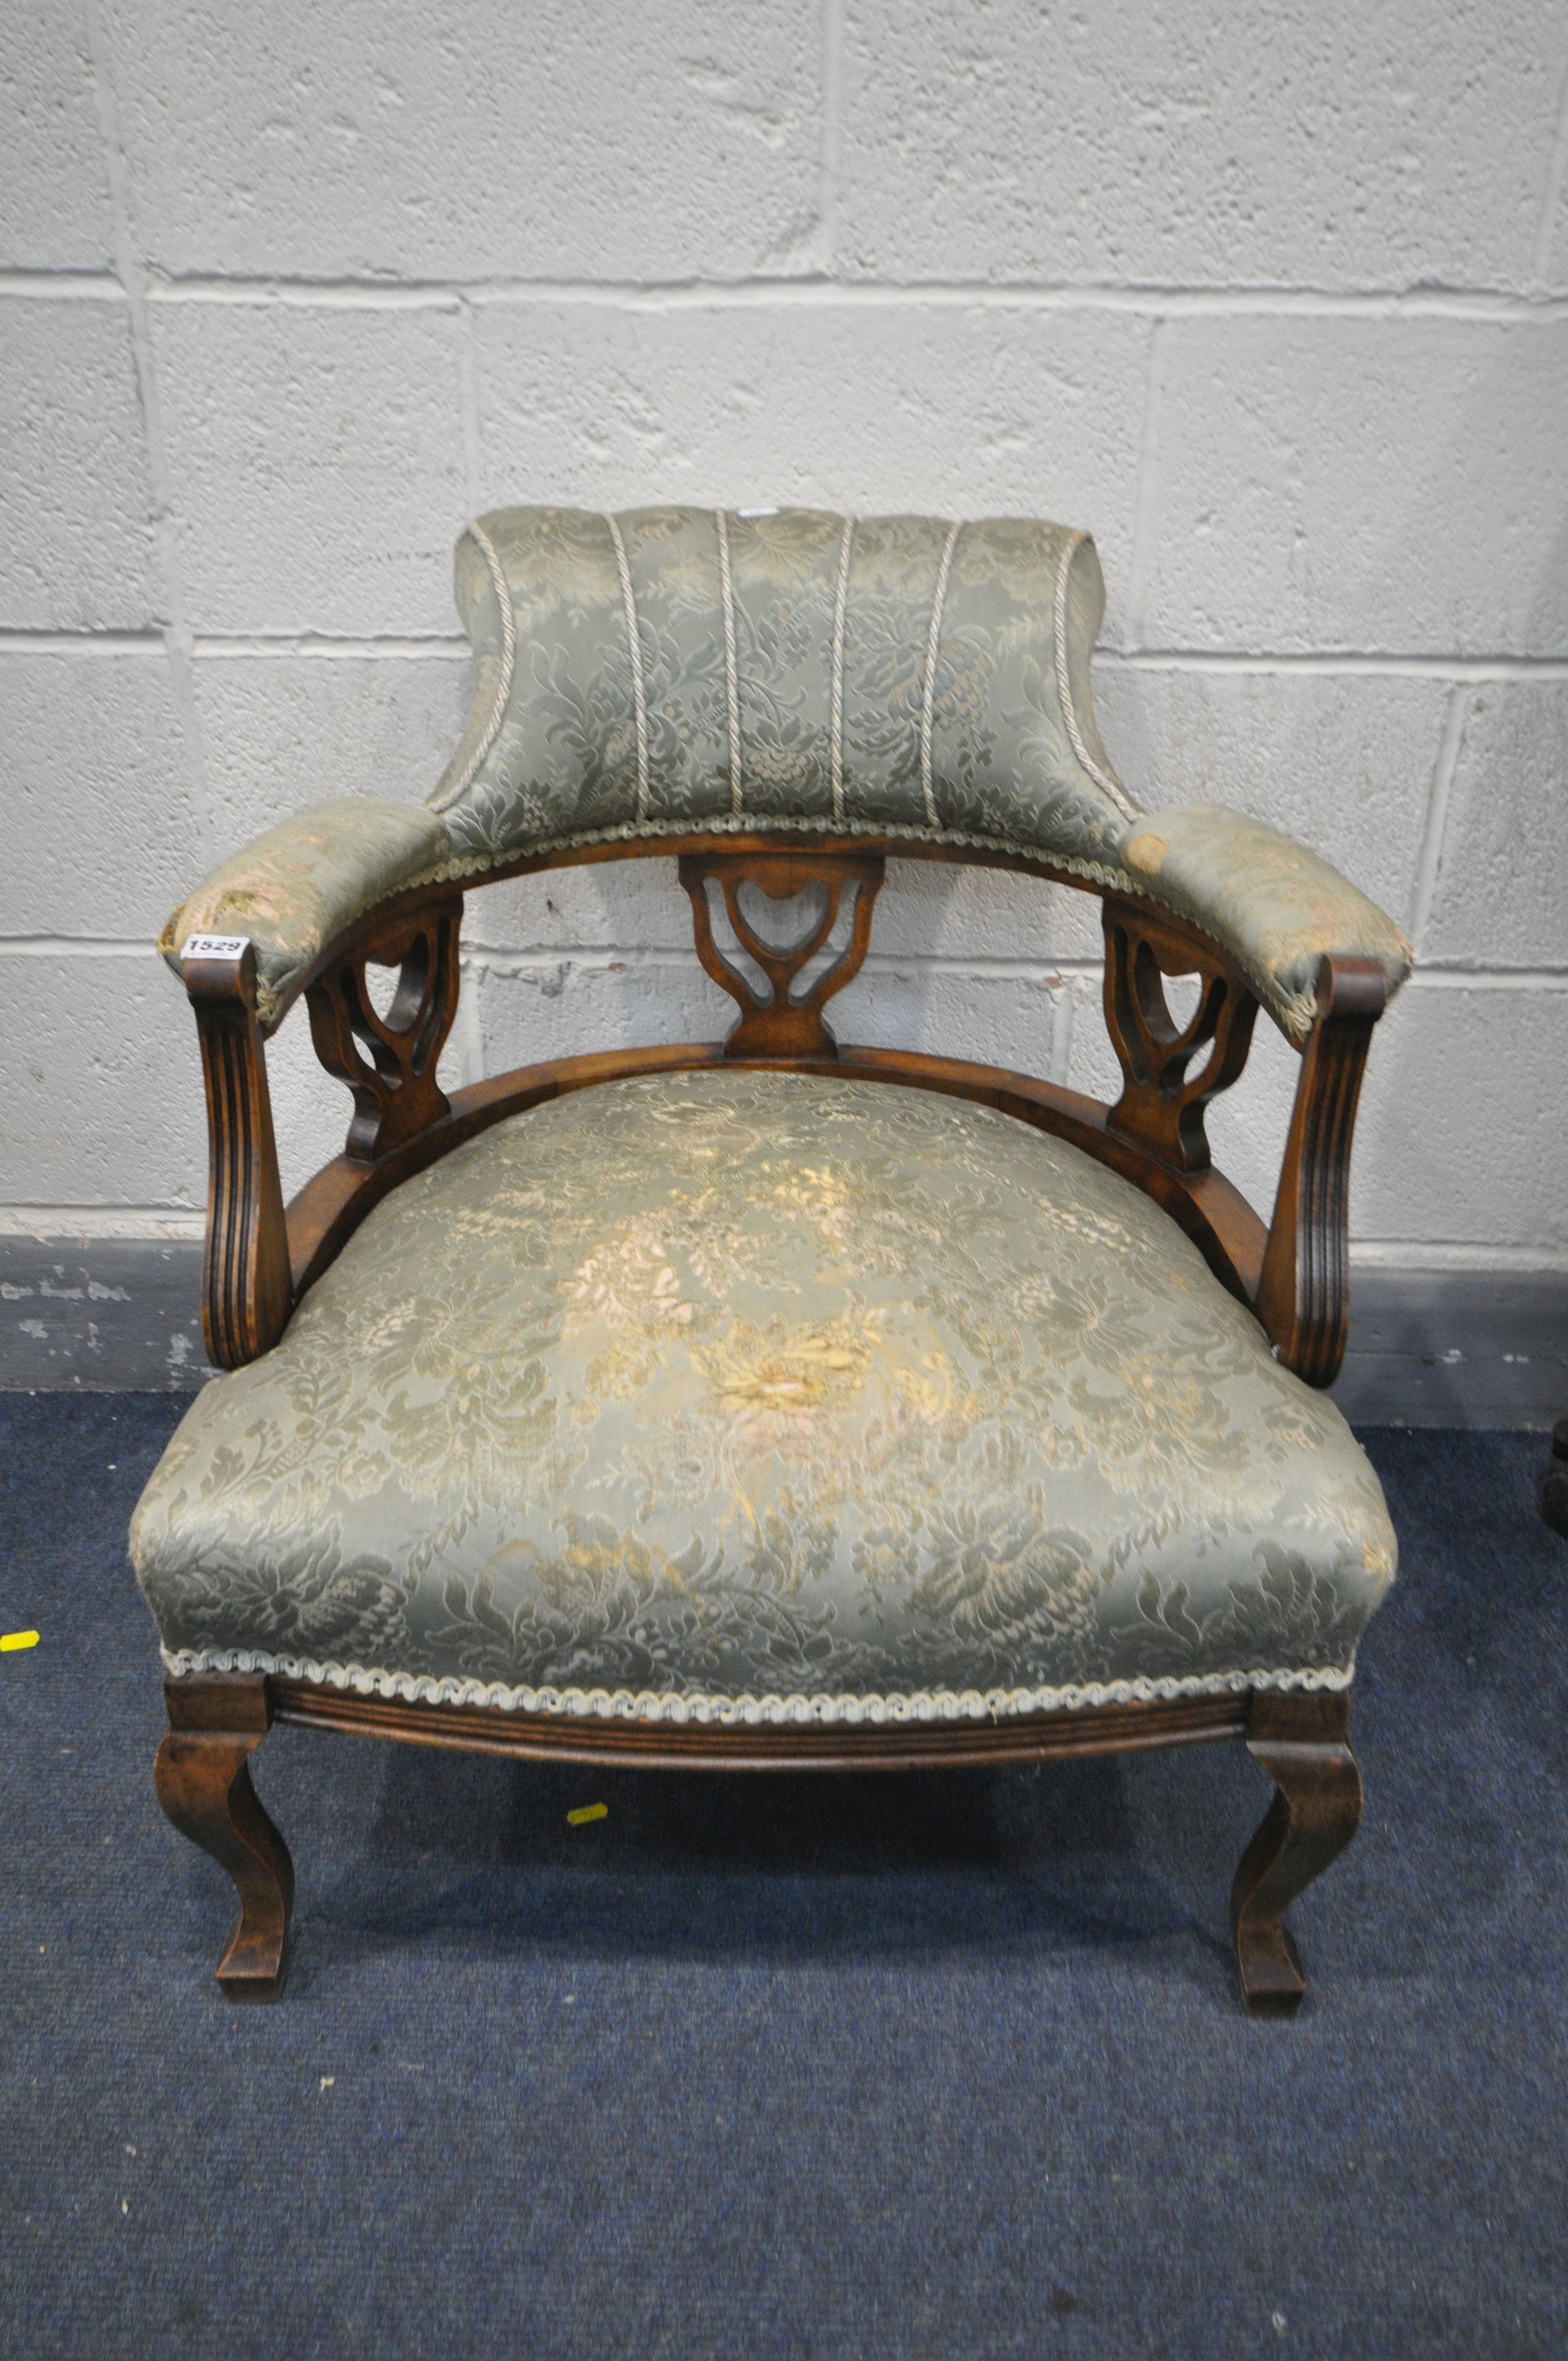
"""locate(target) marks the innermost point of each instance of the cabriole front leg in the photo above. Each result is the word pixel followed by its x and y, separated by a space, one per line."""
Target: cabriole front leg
pixel 215 1723
pixel 1299 1742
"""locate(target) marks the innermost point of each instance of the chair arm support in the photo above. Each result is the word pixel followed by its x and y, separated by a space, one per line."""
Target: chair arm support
pixel 1303 1296
pixel 301 885
pixel 246 1291
pixel 1272 907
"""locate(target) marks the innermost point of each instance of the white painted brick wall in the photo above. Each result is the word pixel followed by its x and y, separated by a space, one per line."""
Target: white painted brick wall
pixel 1275 302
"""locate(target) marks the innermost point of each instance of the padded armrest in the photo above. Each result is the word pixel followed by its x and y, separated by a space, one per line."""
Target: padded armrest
pixel 1273 906
pixel 295 888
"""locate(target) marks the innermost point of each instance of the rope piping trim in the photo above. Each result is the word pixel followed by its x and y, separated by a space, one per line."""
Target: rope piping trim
pixel 1297 1010
pixel 634 644
pixel 1103 778
pixel 731 677
pixel 836 720
pixel 646 1705
pixel 446 795
pixel 929 690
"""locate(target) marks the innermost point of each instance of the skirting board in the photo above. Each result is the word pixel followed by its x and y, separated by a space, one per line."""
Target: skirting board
pixel 1427 1347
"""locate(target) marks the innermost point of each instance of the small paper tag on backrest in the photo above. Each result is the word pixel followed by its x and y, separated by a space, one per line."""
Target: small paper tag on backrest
pixel 213 947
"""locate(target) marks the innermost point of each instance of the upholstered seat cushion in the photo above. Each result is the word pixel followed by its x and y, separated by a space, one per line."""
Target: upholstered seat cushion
pixel 736 1393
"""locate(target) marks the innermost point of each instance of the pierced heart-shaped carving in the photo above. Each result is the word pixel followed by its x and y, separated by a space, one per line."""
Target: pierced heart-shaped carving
pixel 785 924
pixel 791 952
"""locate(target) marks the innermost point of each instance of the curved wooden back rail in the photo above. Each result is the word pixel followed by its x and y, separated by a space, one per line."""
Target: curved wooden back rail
pixel 1293 1275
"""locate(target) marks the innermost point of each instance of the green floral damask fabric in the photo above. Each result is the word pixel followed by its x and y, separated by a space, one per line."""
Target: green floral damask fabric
pixel 300 883
pixel 955 717
pixel 675 670
pixel 737 1394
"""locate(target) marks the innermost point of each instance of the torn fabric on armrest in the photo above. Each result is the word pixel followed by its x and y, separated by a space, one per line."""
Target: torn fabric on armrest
pixel 292 889
pixel 1273 906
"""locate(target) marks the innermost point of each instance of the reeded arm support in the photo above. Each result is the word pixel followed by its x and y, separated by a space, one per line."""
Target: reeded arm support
pixel 1303 1298
pixel 245 1294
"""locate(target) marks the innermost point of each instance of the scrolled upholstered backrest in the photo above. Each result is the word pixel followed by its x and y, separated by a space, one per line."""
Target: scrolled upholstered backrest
pixel 675 670
pixel 678 672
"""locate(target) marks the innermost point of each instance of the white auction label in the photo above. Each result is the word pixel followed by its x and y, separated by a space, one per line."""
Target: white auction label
pixel 215 946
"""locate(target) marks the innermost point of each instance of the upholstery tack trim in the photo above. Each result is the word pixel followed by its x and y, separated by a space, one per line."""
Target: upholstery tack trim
pixel 649 1705
pixel 633 641
pixel 840 607
pixel 928 694
pixel 1296 1011
pixel 731 679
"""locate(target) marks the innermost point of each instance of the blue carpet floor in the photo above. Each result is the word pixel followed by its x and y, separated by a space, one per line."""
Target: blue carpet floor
pixel 949 2066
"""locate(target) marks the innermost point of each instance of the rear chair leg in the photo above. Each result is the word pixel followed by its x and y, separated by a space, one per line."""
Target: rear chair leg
pixel 1300 1740
pixel 216 1720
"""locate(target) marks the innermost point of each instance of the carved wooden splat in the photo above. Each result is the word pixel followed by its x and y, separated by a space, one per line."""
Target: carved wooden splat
pixel 389 1062
pixel 789 1023
pixel 1162 1100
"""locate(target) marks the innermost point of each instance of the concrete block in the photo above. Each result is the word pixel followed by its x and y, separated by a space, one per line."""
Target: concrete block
pixel 1378 484
pixel 1501 898
pixel 1092 1065
pixel 1248 1125
pixel 75 549
pixel 1341 761
pixel 1459 1138
pixel 1456 1349
pixel 966 915
pixel 926 908
pixel 95 781
pixel 615 905
pixel 100 1067
pixel 101 1083
pixel 102 1314
pixel 318 456
pixel 311 1108
pixel 54 192
pixel 1007 1019
pixel 279 731
pixel 534 1006
pixel 1330 147
pixel 665 139
pixel 1553 247
pixel 1462 1120
pixel 866 407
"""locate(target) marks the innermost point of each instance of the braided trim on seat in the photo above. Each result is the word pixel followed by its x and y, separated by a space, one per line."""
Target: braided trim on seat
pixel 649 1705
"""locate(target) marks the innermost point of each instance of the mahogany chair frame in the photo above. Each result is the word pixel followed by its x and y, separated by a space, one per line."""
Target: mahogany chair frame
pixel 261 1258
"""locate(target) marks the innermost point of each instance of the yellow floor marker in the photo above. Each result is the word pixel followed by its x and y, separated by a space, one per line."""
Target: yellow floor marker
pixel 587 1812
pixel 10 1639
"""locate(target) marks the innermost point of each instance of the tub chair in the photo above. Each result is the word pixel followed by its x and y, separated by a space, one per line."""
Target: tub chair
pixel 771 1403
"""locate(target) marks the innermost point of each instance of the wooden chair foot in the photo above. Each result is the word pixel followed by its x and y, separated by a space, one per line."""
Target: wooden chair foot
pixel 1300 1740
pixel 216 1720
